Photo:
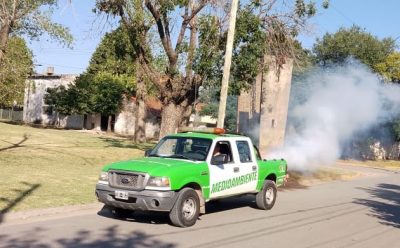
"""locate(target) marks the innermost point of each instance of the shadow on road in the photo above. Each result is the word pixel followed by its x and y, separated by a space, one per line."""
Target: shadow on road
pixel 386 207
pixel 11 203
pixel 110 237
pixel 231 203
pixel 138 216
pixel 14 145
pixel 163 218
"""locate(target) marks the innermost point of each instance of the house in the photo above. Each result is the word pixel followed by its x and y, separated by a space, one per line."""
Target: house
pixel 123 123
pixel 197 120
pixel 36 111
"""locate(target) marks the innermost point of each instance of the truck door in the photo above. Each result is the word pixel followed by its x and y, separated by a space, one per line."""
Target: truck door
pixel 229 178
pixel 247 165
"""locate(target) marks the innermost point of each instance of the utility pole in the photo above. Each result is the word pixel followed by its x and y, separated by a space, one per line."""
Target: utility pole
pixel 227 65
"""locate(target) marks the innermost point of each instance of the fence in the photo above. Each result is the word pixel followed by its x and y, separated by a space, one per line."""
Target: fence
pixel 11 115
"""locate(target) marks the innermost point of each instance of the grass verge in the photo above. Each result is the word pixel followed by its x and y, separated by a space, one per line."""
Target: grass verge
pixel 384 164
pixel 48 168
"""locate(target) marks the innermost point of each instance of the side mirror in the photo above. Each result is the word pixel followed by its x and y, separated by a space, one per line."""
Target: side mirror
pixel 147 152
pixel 218 159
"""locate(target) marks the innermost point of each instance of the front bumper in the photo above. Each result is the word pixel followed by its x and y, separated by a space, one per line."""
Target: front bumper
pixel 147 200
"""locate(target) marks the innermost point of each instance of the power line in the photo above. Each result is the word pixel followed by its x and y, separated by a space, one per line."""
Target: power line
pixel 342 14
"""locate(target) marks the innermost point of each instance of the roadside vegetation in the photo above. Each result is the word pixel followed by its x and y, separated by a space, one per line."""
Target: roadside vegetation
pixel 381 164
pixel 48 168
pixel 304 179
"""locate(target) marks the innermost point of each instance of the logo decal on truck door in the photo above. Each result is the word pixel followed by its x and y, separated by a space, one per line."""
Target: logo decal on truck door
pixel 233 182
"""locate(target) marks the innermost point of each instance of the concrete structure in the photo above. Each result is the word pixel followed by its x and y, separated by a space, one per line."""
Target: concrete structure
pixel 262 110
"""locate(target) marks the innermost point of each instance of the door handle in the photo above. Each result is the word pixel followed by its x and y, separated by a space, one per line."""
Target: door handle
pixel 254 168
pixel 235 169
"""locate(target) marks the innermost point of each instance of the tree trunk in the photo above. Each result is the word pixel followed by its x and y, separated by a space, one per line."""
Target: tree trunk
pixel 109 124
pixel 170 117
pixel 140 125
pixel 4 32
pixel 186 113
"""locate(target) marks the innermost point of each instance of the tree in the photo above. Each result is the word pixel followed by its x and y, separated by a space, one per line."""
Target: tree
pixel 14 70
pixel 107 96
pixel 352 42
pixel 101 93
pixel 112 62
pixel 178 81
pixel 176 88
pixel 109 76
pixel 114 55
pixel 390 68
pixel 61 100
pixel 30 18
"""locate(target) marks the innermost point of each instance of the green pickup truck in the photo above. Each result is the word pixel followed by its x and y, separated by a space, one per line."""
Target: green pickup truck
pixel 186 170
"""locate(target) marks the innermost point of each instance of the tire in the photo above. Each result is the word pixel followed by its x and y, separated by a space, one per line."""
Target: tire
pixel 265 199
pixel 186 209
pixel 120 212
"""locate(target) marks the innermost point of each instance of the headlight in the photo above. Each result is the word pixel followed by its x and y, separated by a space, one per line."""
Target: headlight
pixel 103 178
pixel 158 182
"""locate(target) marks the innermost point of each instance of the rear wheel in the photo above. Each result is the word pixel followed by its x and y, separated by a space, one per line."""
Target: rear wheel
pixel 186 209
pixel 265 199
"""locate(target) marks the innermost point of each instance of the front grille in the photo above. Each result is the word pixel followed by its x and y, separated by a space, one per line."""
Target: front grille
pixel 127 180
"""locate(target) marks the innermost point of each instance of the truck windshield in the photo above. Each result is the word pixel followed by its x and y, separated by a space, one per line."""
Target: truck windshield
pixel 182 148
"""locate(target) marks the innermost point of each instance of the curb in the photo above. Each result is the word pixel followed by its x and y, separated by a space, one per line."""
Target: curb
pixel 45 213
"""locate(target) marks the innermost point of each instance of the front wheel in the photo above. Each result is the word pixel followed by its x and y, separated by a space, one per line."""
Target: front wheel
pixel 265 199
pixel 186 209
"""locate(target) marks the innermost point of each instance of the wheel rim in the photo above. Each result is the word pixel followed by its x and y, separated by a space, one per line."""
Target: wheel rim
pixel 189 208
pixel 269 195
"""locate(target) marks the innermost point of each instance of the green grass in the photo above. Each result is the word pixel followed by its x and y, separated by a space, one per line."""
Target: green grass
pixel 48 168
pixel 384 164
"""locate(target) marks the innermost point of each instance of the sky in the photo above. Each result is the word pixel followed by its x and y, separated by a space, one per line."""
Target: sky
pixel 379 17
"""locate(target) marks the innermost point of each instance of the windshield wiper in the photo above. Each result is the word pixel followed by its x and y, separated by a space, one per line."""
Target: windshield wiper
pixel 180 156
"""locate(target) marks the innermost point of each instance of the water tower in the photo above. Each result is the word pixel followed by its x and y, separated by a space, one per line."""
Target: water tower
pixel 263 109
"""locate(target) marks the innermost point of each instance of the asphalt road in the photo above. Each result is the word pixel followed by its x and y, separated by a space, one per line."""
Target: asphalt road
pixel 364 212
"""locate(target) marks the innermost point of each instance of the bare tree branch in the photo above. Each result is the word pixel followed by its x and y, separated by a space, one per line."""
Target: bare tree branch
pixel 183 29
pixel 186 20
pixel 192 46
pixel 165 40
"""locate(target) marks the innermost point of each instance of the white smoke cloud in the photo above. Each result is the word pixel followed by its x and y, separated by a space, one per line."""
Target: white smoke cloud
pixel 328 107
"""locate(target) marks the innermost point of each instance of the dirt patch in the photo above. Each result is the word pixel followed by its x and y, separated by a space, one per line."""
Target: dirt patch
pixel 305 179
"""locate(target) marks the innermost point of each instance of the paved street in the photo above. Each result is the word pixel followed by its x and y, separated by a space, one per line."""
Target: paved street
pixel 364 212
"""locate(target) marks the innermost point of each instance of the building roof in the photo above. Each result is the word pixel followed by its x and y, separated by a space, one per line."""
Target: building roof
pixel 53 76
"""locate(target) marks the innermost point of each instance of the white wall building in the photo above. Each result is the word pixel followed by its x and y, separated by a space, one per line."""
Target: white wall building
pixel 36 111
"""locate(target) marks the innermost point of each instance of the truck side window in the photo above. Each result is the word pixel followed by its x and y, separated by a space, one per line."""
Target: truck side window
pixel 223 147
pixel 244 151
